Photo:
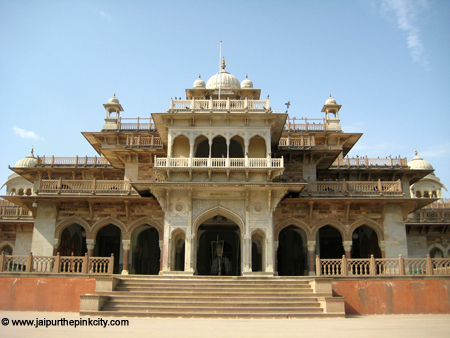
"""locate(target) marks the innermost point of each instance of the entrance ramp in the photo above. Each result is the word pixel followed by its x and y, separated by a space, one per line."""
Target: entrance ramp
pixel 213 297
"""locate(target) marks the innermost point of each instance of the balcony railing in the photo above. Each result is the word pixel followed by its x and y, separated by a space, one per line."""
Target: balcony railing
pixel 150 142
pixel 370 162
pixel 353 188
pixel 71 161
pixel 86 187
pixel 305 124
pixel 234 106
pixel 382 267
pixel 297 142
pixel 135 124
pixel 218 163
pixel 56 264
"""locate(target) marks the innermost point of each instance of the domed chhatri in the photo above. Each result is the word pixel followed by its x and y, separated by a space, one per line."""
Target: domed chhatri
pixel 247 84
pixel 114 99
pixel 199 83
pixel 330 101
pixel 27 162
pixel 419 163
pixel 223 79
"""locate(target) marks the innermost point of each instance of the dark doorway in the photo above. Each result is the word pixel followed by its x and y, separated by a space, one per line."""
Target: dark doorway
pixel 365 243
pixel 108 242
pixel 330 243
pixel 291 254
pixel 146 256
pixel 219 229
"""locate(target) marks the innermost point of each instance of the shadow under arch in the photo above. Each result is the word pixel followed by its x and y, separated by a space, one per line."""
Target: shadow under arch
pixel 104 222
pixel 332 222
pixel 69 221
pixel 215 211
pixel 144 221
pixel 295 222
pixel 369 223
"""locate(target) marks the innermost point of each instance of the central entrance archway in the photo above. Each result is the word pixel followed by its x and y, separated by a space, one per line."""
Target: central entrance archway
pixel 219 231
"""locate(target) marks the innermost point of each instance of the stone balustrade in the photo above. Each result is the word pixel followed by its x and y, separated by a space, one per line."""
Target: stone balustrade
pixel 210 105
pixel 56 264
pixel 353 188
pixel 135 124
pixel 43 161
pixel 218 163
pixel 85 187
pixel 305 124
pixel 370 162
pixel 153 142
pixel 356 267
pixel 9 210
pixel 297 142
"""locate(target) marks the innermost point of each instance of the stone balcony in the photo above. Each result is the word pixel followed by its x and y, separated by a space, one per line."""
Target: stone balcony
pixel 85 187
pixel 220 106
pixel 218 163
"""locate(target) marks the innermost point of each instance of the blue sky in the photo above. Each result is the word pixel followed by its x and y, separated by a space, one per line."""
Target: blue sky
pixel 386 62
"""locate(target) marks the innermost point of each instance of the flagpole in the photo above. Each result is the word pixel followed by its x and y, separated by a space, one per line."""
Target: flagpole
pixel 220 70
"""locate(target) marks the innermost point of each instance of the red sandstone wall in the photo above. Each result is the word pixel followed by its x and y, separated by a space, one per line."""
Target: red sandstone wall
pixel 43 293
pixel 394 296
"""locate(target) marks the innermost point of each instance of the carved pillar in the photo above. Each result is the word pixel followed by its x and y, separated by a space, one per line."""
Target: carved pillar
pixel 382 246
pixel 275 263
pixel 90 244
pixel 161 245
pixel 348 248
pixel 311 257
pixel 126 244
pixel 55 246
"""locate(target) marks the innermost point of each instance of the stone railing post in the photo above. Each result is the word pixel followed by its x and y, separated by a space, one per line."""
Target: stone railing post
pixel 90 244
pixel 429 265
pixel 318 266
pixel 228 103
pixel 2 261
pixel 111 265
pixel 311 249
pixel 380 189
pixel 84 267
pixel 57 263
pixel 401 265
pixel 29 262
pixel 344 268
pixel 372 266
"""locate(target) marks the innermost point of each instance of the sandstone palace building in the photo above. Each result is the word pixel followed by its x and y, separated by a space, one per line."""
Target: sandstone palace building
pixel 221 172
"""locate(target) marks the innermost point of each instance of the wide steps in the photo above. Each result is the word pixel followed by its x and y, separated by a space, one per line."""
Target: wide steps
pixel 222 297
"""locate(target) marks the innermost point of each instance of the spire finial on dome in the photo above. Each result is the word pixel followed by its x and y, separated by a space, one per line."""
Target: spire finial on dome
pixel 223 64
pixel 416 153
pixel 199 76
pixel 114 94
pixel 246 76
pixel 32 151
pixel 330 94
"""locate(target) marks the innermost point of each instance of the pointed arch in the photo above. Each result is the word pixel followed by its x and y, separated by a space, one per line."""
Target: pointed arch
pixel 69 221
pixel 104 222
pixel 144 221
pixel 218 210
pixel 295 222
pixel 369 223
pixel 440 247
pixel 5 244
pixel 332 222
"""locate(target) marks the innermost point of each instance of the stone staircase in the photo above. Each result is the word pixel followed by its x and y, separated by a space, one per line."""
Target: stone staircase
pixel 213 297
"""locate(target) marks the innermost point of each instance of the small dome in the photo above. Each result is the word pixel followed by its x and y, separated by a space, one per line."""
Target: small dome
pixel 330 101
pixel 113 99
pixel 199 83
pixel 247 84
pixel 419 163
pixel 27 162
pixel 223 79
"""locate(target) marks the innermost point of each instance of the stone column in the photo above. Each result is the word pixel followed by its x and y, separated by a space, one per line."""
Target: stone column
pixel 348 248
pixel 90 244
pixel 161 247
pixel 311 257
pixel 394 232
pixel 275 262
pixel 382 246
pixel 44 229
pixel 126 244
pixel 55 246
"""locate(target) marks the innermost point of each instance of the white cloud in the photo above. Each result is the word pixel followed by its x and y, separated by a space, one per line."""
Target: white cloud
pixel 26 134
pixel 106 16
pixel 406 12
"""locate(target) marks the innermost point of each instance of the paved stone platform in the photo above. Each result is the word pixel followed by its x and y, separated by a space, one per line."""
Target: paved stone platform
pixel 410 326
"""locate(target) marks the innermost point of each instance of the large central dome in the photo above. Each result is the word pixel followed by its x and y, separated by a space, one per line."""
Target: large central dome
pixel 223 79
